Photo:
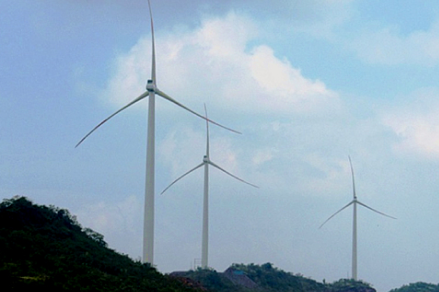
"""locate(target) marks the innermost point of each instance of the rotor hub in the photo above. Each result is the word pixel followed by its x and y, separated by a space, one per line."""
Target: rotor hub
pixel 150 86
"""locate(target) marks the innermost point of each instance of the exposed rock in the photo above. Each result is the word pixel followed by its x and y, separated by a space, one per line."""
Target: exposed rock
pixel 238 277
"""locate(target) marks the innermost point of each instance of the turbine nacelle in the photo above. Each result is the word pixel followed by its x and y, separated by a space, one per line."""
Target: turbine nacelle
pixel 150 86
pixel 205 159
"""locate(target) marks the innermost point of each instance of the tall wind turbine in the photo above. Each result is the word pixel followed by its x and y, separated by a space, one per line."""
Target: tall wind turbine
pixel 354 202
pixel 151 91
pixel 206 162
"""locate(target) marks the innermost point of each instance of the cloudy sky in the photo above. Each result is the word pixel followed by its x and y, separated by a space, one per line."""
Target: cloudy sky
pixel 308 83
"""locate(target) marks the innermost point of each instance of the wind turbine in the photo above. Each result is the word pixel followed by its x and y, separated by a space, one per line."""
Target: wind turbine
pixel 151 91
pixel 354 202
pixel 206 162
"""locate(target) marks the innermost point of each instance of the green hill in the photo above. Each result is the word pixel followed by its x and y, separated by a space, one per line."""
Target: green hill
pixel 417 287
pixel 45 247
pixel 246 278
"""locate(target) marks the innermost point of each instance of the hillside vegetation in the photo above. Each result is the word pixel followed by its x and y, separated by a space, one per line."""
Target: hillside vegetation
pixel 267 278
pixel 45 247
pixel 418 287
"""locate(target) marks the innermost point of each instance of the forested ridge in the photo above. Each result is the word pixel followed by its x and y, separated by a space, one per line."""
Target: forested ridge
pixel 418 287
pixel 45 247
pixel 267 278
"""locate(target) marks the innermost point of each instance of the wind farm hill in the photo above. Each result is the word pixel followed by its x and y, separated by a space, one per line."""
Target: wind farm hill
pixel 418 287
pixel 266 278
pixel 45 247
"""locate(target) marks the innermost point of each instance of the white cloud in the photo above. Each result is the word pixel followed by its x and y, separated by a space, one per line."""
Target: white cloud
pixel 283 85
pixel 214 64
pixel 417 124
pixel 225 37
pixel 388 46
pixel 130 76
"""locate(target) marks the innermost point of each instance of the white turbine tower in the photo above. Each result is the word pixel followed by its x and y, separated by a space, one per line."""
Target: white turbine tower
pixel 205 163
pixel 151 91
pixel 354 202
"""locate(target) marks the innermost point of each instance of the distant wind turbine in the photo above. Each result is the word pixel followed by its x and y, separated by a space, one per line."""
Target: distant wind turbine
pixel 151 91
pixel 205 163
pixel 354 202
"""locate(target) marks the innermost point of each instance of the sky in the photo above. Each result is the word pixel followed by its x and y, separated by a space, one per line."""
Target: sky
pixel 308 83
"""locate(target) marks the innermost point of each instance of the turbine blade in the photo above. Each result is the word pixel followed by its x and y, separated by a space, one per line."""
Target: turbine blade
pixel 234 176
pixel 198 166
pixel 336 213
pixel 353 179
pixel 376 211
pixel 153 44
pixel 165 96
pixel 207 130
pixel 145 94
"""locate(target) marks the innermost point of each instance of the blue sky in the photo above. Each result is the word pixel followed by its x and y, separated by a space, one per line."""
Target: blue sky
pixel 307 83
